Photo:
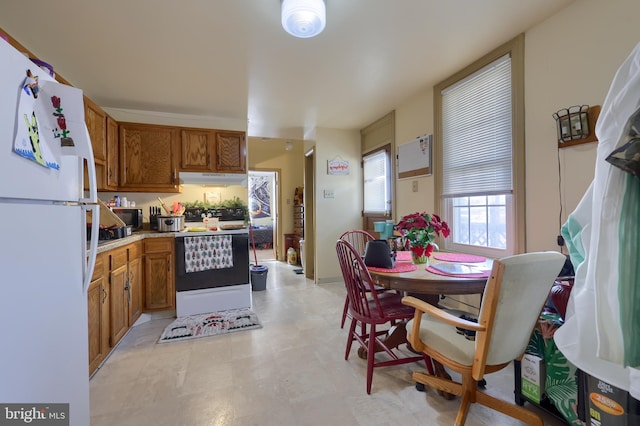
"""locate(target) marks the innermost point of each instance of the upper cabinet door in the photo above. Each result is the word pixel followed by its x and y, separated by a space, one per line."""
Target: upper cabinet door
pixel 112 154
pixel 196 150
pixel 231 152
pixel 96 120
pixel 148 157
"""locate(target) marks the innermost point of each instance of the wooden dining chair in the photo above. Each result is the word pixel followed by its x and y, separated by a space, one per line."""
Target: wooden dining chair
pixel 372 310
pixel 513 298
pixel 358 240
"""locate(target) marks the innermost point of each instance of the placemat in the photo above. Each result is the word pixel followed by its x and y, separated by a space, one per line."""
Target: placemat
pixel 403 256
pixel 400 267
pixel 438 272
pixel 459 257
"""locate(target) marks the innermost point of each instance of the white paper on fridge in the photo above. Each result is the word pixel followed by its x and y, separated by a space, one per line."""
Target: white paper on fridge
pixel 50 115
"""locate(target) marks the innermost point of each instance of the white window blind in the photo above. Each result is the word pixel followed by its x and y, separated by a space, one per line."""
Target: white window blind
pixel 476 132
pixel 376 182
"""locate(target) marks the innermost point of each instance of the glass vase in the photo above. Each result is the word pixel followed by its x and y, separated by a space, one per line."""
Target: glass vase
pixel 419 257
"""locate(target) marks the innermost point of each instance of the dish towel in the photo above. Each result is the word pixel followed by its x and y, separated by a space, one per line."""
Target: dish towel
pixel 207 252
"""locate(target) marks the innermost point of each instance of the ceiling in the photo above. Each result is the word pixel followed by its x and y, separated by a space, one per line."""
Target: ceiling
pixel 231 60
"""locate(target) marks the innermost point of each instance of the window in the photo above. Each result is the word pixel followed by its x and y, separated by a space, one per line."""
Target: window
pixel 479 140
pixel 377 182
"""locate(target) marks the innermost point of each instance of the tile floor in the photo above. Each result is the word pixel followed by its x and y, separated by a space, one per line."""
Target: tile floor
pixel 290 372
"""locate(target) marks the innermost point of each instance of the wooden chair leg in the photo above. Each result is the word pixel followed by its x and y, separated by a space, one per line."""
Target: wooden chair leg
pixel 509 409
pixel 371 354
pixel 344 312
pixel 350 338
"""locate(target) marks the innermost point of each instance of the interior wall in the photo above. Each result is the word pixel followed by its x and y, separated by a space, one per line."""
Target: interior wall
pixel 271 154
pixel 570 59
pixel 342 211
pixel 600 35
pixel 413 119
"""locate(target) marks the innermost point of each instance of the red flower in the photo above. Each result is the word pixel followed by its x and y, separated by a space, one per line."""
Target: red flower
pixel 420 231
pixel 62 122
pixel 55 101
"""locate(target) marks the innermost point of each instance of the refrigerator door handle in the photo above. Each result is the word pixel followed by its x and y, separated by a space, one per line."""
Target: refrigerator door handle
pixel 85 151
pixel 93 245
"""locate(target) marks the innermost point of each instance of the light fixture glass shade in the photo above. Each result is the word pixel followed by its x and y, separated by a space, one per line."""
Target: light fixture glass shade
pixel 303 18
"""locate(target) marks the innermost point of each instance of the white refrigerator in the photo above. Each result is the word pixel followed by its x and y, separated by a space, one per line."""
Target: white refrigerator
pixel 45 260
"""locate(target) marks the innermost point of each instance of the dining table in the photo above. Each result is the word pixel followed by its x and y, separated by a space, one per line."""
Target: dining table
pixel 428 282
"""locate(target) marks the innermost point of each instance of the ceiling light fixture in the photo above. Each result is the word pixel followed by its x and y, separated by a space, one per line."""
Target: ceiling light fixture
pixel 303 18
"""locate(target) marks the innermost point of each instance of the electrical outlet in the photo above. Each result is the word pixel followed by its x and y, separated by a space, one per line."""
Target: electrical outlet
pixel 414 186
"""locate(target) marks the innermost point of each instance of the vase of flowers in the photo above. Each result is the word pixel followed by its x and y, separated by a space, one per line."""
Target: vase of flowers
pixel 420 231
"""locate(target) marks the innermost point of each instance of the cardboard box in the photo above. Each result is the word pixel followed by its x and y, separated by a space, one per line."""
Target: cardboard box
pixel 532 372
pixel 609 405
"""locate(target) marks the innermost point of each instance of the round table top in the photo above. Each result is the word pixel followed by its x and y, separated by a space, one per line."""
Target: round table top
pixel 421 281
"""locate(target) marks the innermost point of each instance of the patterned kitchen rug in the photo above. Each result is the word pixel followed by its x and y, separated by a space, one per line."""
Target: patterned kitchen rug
pixel 211 324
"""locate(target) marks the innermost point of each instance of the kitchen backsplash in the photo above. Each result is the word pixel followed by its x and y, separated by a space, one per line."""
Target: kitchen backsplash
pixel 189 194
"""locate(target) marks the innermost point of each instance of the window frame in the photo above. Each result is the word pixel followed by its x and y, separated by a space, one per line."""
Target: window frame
pixel 386 150
pixel 516 206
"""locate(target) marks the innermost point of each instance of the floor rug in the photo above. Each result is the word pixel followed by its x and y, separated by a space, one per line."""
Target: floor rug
pixel 211 324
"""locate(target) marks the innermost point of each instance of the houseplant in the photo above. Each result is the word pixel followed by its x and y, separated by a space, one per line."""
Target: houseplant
pixel 420 231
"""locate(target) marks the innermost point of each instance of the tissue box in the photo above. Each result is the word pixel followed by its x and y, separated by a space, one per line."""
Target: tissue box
pixel 532 373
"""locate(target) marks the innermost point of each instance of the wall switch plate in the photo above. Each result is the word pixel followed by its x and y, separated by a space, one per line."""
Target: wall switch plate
pixel 414 185
pixel 328 193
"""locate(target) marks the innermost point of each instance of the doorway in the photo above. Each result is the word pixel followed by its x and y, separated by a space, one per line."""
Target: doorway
pixel 309 215
pixel 263 213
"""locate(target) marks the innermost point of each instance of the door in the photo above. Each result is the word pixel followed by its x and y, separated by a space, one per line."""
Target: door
pixel 377 202
pixel 263 210
pixel 309 215
pixel 118 312
pixel 135 290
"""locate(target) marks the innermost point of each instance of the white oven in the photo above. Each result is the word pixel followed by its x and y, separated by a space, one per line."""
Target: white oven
pixel 219 278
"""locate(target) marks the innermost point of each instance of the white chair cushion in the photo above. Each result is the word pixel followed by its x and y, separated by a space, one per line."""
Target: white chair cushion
pixel 444 337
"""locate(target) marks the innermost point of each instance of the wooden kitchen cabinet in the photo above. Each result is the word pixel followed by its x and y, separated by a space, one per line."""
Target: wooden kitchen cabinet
pixel 135 282
pixel 125 284
pixel 206 150
pixel 103 131
pixel 96 121
pixel 148 157
pixel 196 150
pixel 231 152
pixel 119 295
pixel 98 315
pixel 159 274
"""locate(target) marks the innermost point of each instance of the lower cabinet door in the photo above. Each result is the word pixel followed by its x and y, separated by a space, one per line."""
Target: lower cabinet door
pixel 118 304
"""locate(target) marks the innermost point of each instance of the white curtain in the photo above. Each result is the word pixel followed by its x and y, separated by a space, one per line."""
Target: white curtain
pixel 601 334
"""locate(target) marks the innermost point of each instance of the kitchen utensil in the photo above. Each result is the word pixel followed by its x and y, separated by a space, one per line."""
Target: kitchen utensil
pixel 170 223
pixel 164 206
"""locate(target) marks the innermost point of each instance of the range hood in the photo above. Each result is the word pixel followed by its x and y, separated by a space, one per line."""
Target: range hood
pixel 214 179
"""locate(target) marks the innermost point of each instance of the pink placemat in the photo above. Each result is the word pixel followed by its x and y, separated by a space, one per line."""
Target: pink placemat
pixel 400 267
pixel 459 257
pixel 433 270
pixel 403 256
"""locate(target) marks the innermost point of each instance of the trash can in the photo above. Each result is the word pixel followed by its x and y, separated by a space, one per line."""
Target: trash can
pixel 302 253
pixel 258 277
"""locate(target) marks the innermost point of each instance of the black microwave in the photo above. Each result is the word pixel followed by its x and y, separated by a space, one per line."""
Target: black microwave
pixel 130 216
